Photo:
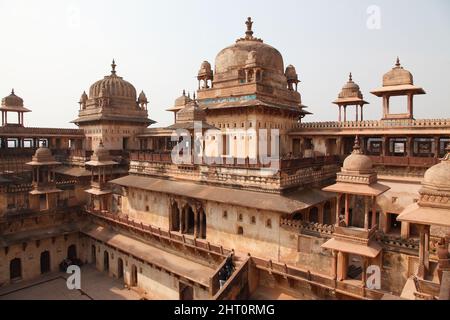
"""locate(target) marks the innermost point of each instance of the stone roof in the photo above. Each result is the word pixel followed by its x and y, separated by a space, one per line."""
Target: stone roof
pixel 43 157
pixel 350 94
pixel 13 103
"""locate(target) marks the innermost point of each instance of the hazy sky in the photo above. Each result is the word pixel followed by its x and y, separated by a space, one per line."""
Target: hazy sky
pixel 50 51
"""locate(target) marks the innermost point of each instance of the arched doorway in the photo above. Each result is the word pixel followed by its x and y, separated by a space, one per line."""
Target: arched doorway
pixel 93 254
pixel 45 262
pixel 15 269
pixel 106 261
pixel 72 252
pixel 134 276
pixel 190 221
pixel 175 215
pixel 119 268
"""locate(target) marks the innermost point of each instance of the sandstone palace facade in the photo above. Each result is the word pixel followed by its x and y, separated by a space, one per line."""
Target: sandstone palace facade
pixel 272 205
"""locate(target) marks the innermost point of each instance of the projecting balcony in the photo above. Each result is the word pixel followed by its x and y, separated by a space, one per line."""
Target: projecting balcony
pixel 353 233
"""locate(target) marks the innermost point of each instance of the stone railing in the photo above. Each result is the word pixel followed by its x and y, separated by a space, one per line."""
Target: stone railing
pixel 404 161
pixel 316 280
pixel 381 124
pixel 162 235
pixel 40 131
pixel 397 241
pixel 322 229
pixel 235 285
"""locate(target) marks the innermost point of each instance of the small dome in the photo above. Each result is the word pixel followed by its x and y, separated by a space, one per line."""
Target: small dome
pixel 291 73
pixel 113 86
pixel 350 89
pixel 438 176
pixel 142 97
pixel 192 112
pixel 182 100
pixel 101 153
pixel 357 161
pixel 12 100
pixel 43 154
pixel 84 97
pixel 205 69
pixel 397 76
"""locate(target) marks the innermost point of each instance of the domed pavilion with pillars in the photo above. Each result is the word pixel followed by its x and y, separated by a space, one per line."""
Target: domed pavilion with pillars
pixel 354 237
pixel 350 95
pixel 13 103
pixel 43 196
pixel 101 165
pixel 398 82
pixel 432 215
pixel 113 113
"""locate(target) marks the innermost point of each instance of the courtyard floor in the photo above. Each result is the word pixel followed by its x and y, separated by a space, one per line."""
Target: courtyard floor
pixel 95 285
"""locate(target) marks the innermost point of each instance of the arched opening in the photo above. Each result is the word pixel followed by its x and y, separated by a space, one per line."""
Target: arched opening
pixel 240 231
pixel 190 221
pixel 106 261
pixel 45 262
pixel 175 214
pixel 72 252
pixel 327 216
pixel 202 224
pixel 314 215
pixel 15 269
pixel 93 254
pixel 120 268
pixel 134 276
pixel 186 292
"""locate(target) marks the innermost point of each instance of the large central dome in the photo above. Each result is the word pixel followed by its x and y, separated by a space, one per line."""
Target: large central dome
pixel 237 55
pixel 113 86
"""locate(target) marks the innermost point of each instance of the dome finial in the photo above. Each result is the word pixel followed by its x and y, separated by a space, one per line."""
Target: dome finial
pixel 184 92
pixel 357 146
pixel 350 77
pixel 113 66
pixel 249 32
pixel 12 91
pixel 397 64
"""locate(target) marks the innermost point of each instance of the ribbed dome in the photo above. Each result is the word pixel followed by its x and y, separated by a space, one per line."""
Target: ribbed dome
pixel 12 100
pixel 350 90
pixel 182 100
pixel 113 86
pixel 205 69
pixel 397 76
pixel 438 176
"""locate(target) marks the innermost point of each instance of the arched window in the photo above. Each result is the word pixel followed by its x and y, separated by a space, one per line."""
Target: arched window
pixel 240 231
pixel 269 223
pixel 253 220
pixel 15 269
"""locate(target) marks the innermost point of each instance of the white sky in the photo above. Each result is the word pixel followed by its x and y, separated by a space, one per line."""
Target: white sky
pixel 52 50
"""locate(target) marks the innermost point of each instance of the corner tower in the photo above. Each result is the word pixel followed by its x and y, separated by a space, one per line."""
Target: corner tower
pixel 113 113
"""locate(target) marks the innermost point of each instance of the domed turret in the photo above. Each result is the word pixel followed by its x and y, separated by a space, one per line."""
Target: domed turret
pixel 397 76
pixel 292 77
pixel 142 100
pixel 205 74
pixel 350 95
pixel 12 103
pixel 357 162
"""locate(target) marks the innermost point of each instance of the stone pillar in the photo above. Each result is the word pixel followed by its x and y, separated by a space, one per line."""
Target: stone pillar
pixel 202 232
pixel 366 213
pixel 423 251
pixel 374 211
pixel 436 147
pixel 410 106
pixel 334 265
pixel 345 113
pixel 181 212
pixel 306 215
pixel 364 271
pixel 409 148
pixel 362 114
pixel 340 113
pixel 338 208
pixel 384 146
pixel 347 209
pixel 341 266
pixel 357 113
pixel 195 222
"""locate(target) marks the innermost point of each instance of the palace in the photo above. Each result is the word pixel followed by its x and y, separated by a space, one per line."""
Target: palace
pixel 273 207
